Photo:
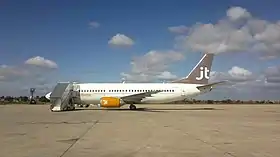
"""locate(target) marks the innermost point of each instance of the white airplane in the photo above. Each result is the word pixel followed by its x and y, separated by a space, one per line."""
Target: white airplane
pixel 115 95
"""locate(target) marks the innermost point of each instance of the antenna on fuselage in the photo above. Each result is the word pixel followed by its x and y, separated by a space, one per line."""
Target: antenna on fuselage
pixel 123 80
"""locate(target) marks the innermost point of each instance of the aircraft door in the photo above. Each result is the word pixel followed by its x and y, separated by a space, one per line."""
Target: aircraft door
pixel 183 92
pixel 76 93
pixel 76 88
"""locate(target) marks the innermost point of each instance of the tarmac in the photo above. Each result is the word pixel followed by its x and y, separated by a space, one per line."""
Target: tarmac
pixel 152 130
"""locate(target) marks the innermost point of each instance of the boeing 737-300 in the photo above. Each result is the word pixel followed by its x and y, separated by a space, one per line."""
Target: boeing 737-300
pixel 115 95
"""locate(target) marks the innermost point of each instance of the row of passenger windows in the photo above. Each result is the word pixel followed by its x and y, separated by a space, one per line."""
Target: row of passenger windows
pixel 103 91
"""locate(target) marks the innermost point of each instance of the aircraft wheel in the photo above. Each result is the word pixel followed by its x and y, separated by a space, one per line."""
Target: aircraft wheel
pixel 72 108
pixel 87 105
pixel 132 107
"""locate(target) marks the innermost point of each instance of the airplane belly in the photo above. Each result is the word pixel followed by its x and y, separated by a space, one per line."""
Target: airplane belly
pixel 90 98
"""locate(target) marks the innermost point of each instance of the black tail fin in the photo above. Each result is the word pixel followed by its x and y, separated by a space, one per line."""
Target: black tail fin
pixel 200 74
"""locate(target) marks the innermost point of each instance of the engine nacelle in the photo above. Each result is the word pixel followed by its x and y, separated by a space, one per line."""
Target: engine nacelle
pixel 111 102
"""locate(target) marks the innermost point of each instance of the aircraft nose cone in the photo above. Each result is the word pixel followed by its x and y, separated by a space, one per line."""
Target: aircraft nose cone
pixel 48 96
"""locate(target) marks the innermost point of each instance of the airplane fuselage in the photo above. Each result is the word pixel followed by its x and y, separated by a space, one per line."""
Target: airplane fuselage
pixel 91 93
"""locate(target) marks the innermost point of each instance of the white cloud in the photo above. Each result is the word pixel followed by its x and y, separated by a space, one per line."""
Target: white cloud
pixel 121 40
pixel 178 29
pixel 272 74
pixel 244 80
pixel 152 66
pixel 238 72
pixel 272 71
pixel 244 84
pixel 238 32
pixel 94 24
pixel 10 73
pixel 234 75
pixel 42 62
pixel 236 13
pixel 166 75
pixel 16 80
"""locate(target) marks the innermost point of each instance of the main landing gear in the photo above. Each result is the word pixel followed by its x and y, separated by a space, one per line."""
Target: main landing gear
pixel 132 107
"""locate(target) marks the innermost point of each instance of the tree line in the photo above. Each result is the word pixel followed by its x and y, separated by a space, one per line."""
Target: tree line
pixel 43 99
pixel 228 101
pixel 22 99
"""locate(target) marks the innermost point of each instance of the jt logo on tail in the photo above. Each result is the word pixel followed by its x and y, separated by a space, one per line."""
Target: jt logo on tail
pixel 204 73
pixel 200 74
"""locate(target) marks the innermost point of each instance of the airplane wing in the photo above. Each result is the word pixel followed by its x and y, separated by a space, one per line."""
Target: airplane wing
pixel 136 98
pixel 211 85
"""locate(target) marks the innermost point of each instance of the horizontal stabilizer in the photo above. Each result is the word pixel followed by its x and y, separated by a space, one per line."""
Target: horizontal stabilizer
pixel 211 85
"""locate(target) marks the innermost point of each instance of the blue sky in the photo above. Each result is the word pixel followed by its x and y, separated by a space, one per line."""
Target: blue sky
pixel 60 31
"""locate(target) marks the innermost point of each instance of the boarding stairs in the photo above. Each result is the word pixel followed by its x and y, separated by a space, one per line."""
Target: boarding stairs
pixel 64 96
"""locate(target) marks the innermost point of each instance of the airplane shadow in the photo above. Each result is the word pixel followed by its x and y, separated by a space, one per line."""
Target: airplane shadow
pixel 118 109
pixel 151 109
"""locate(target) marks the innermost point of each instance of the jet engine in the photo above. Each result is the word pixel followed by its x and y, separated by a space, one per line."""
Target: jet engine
pixel 111 102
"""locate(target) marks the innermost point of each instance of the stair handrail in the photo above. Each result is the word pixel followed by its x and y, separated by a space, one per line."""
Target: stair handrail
pixel 66 94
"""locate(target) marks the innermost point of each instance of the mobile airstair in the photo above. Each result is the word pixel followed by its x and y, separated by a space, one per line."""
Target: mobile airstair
pixel 64 96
